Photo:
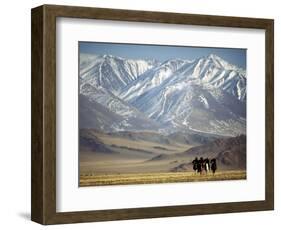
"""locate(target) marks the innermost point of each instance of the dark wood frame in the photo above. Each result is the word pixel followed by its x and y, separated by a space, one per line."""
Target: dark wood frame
pixel 43 188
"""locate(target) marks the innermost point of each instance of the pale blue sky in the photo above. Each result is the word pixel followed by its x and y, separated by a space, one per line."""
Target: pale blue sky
pixel 163 52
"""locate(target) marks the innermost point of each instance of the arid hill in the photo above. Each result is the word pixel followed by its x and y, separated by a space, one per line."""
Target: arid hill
pixel 229 152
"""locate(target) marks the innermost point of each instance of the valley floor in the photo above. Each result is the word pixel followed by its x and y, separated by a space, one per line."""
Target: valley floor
pixel 149 178
pixel 145 158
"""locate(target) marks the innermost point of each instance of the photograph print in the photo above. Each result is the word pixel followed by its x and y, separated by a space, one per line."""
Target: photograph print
pixel 161 114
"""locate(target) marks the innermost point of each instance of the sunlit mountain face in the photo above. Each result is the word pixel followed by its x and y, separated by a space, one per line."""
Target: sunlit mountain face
pixel 206 95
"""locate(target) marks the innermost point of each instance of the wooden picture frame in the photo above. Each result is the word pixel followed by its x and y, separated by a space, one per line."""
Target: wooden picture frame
pixel 43 207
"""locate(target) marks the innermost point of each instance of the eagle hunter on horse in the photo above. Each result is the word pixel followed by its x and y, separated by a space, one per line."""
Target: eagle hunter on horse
pixel 204 165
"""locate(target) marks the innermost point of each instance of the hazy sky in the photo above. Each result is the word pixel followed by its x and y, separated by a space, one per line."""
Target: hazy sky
pixel 163 52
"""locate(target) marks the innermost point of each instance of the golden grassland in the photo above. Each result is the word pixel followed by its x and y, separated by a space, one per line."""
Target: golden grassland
pixel 152 178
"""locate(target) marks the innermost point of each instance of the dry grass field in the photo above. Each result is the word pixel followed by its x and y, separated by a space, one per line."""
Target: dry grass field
pixel 150 178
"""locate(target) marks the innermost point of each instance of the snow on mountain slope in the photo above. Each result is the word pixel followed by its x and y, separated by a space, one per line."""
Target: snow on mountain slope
pixel 211 70
pixel 200 95
pixel 112 73
pixel 152 78
pixel 123 116
pixel 190 106
pixel 86 62
pixel 215 71
pixel 205 95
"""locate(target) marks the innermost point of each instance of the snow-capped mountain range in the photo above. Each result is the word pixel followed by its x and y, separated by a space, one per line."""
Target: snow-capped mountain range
pixel 205 95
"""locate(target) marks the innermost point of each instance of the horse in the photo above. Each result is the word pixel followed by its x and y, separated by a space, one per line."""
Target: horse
pixel 202 164
pixel 195 164
pixel 214 165
pixel 207 165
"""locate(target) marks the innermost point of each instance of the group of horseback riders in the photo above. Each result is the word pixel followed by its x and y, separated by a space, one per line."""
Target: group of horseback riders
pixel 204 165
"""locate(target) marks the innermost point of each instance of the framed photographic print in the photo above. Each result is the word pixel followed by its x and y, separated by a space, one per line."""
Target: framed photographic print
pixel 159 113
pixel 141 114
